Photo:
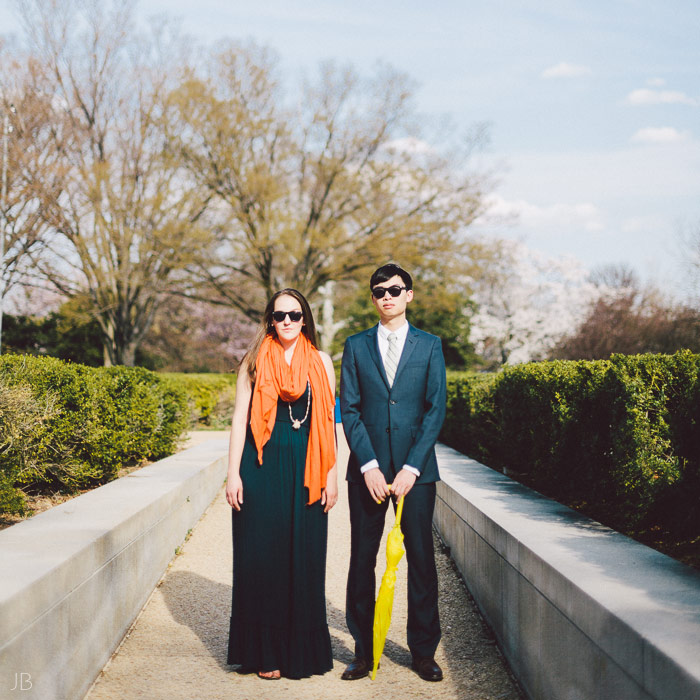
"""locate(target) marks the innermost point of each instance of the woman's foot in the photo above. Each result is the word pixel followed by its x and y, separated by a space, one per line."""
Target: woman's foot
pixel 270 675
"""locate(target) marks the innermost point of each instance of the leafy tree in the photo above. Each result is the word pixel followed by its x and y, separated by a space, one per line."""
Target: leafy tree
pixel 320 192
pixel 631 318
pixel 70 333
pixel 23 141
pixel 122 216
pixel 149 180
pixel 446 314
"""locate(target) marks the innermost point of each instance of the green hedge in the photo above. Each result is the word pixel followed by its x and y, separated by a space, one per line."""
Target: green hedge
pixel 211 397
pixel 617 438
pixel 66 426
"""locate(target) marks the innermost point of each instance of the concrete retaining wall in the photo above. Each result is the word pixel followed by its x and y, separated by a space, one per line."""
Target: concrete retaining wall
pixel 580 612
pixel 73 579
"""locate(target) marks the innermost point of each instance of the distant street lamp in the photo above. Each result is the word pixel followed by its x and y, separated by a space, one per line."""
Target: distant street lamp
pixel 6 130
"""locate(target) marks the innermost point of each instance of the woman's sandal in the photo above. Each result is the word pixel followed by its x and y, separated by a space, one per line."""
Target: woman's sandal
pixel 274 675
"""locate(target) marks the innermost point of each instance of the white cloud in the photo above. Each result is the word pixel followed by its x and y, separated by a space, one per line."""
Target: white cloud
pixel 659 182
pixel 566 70
pixel 644 96
pixel 552 217
pixel 661 134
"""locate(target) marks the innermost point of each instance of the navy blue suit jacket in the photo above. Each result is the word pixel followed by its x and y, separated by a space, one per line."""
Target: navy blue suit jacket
pixel 395 425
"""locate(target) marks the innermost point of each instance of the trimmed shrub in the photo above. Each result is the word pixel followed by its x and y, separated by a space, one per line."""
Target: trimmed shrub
pixel 677 506
pixel 70 449
pixel 150 412
pixel 20 414
pixel 89 422
pixel 617 438
pixel 585 432
pixel 211 397
pixel 470 425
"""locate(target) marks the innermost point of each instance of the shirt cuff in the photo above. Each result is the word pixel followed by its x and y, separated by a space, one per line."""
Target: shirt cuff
pixel 411 469
pixel 372 464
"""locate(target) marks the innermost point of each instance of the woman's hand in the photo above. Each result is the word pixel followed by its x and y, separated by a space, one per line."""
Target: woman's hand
pixel 329 495
pixel 234 491
pixel 234 485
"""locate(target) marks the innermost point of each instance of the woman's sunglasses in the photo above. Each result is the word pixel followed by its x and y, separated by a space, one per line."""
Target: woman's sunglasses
pixel 294 316
pixel 394 290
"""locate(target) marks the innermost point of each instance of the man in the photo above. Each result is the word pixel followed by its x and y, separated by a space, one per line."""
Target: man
pixel 392 399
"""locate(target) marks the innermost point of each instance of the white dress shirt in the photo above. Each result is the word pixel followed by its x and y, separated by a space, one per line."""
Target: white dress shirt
pixel 383 342
pixel 383 334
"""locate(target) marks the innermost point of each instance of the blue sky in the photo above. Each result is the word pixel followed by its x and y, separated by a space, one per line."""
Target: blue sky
pixel 593 106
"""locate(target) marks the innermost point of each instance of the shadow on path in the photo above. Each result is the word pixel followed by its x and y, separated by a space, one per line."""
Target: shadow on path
pixel 204 607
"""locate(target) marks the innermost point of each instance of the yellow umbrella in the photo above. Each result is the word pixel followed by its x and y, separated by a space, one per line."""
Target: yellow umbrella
pixel 385 597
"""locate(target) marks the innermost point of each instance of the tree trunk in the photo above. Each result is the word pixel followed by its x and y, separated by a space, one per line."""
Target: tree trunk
pixel 128 354
pixel 326 330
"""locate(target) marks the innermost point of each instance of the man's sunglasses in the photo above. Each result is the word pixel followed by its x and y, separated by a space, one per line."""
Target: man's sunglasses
pixel 294 316
pixel 394 290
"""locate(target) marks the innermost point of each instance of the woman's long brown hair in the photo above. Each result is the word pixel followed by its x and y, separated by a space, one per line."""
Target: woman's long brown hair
pixel 266 328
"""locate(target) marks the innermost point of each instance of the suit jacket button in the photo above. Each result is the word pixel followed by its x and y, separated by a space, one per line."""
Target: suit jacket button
pixel 392 402
pixel 388 430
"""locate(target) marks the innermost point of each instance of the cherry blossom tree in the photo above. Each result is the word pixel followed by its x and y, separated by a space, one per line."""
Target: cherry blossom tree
pixel 526 302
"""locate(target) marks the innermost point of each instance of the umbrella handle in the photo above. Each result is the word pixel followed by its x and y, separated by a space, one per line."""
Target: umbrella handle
pixel 399 510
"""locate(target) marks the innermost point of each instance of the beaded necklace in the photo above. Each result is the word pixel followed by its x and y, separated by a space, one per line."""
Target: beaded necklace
pixel 296 423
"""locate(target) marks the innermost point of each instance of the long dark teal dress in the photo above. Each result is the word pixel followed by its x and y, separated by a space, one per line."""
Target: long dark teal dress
pixel 278 615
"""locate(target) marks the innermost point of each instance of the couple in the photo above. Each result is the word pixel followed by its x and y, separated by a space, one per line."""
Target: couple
pixel 282 481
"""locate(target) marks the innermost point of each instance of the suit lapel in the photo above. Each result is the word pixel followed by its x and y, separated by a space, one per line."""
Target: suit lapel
pixel 373 348
pixel 408 348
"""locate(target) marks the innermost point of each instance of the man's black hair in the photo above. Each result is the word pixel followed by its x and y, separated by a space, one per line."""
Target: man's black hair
pixel 386 272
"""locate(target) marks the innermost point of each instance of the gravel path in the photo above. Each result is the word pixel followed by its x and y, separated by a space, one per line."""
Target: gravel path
pixel 177 647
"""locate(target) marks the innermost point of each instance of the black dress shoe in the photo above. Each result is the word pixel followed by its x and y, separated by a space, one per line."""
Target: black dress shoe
pixel 358 668
pixel 427 669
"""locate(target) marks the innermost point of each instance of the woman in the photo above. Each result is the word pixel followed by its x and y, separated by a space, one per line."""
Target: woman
pixel 282 481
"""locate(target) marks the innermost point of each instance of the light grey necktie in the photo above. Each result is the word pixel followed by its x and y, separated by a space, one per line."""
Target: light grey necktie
pixel 391 360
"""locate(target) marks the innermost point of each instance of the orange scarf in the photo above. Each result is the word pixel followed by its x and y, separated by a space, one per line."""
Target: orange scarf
pixel 276 379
